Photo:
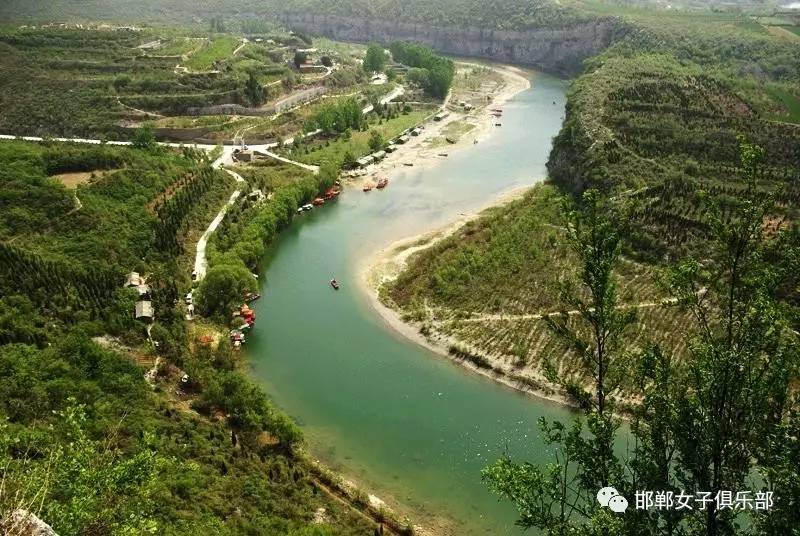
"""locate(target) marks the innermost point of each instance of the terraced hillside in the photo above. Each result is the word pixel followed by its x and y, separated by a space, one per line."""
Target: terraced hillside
pixel 656 119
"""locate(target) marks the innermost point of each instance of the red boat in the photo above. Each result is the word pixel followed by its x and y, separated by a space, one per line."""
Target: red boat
pixel 382 184
pixel 335 284
pixel 319 201
pixel 331 193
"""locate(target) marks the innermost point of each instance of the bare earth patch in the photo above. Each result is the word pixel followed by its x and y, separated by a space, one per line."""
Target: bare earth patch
pixel 73 180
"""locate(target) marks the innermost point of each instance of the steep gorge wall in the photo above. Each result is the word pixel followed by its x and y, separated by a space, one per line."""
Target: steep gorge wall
pixel 560 50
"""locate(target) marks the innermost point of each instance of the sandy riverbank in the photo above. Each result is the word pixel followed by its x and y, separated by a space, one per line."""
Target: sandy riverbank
pixel 420 151
pixel 387 264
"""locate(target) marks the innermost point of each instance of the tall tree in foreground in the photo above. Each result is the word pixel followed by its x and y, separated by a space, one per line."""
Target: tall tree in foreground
pixel 561 496
pixel 736 384
pixel 707 426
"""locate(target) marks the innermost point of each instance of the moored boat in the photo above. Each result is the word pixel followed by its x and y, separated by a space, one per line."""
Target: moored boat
pixel 335 284
pixel 382 183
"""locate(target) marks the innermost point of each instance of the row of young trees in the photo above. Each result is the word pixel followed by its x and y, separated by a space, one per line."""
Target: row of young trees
pixel 337 118
pixel 24 272
pixel 172 213
pixel 723 421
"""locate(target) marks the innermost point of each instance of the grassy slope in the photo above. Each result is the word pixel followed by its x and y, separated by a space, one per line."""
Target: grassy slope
pixel 657 114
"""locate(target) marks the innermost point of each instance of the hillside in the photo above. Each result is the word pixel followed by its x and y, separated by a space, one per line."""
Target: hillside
pixel 541 33
pixel 657 119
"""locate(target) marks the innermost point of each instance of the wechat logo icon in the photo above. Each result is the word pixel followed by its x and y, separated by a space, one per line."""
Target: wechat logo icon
pixel 611 498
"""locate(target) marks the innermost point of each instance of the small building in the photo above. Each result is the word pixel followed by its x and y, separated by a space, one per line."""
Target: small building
pixel 364 161
pixel 143 290
pixel 133 280
pixel 416 132
pixel 402 139
pixel 244 156
pixel 391 148
pixel 378 155
pixel 440 116
pixel 144 310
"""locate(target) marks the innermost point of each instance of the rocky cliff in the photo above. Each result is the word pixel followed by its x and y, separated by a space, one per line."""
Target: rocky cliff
pixel 561 50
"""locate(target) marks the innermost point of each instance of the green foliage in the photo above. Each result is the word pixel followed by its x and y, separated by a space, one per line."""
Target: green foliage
pixel 255 91
pixel 432 72
pixel 712 423
pixel 375 59
pixel 223 289
pixel 376 141
pixel 339 117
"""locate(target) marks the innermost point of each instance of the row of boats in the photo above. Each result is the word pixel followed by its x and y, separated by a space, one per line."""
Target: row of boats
pixel 329 195
pixel 381 184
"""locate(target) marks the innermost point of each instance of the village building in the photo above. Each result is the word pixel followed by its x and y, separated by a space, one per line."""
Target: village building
pixel 144 310
pixel 378 155
pixel 440 116
pixel 364 161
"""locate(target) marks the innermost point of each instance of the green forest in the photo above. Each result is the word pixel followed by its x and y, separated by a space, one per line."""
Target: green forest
pixel 651 284
pixel 86 441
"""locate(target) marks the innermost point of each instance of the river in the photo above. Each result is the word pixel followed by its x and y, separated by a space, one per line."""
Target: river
pixel 406 424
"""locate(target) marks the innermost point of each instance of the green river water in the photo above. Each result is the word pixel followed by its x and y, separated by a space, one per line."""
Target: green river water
pixel 406 424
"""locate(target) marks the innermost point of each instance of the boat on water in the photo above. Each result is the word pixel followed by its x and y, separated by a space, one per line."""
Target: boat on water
pixel 442 154
pixel 332 193
pixel 382 183
pixel 367 188
pixel 409 164
pixel 335 284
pixel 318 201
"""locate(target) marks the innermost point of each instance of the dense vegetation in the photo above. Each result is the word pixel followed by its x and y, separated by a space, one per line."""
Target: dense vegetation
pixel 723 420
pixel 87 441
pixel 432 72
pixel 513 14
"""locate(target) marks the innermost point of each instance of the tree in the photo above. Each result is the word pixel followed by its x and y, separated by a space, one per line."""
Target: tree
pixel 563 494
pixel 223 289
pixel 143 138
pixel 348 160
pixel 289 81
pixel 254 90
pixel 81 485
pixel 376 141
pixel 326 61
pixel 299 58
pixel 735 390
pixel 375 59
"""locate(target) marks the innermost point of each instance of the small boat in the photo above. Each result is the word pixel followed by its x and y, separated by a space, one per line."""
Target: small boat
pixel 442 154
pixel 299 210
pixel 382 183
pixel 498 124
pixel 449 140
pixel 318 201
pixel 335 284
pixel 252 296
pixel 332 193
pixel 367 188
pixel 409 164
pixel 307 207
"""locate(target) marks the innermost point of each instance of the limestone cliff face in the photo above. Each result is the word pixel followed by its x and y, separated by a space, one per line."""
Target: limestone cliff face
pixel 560 50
